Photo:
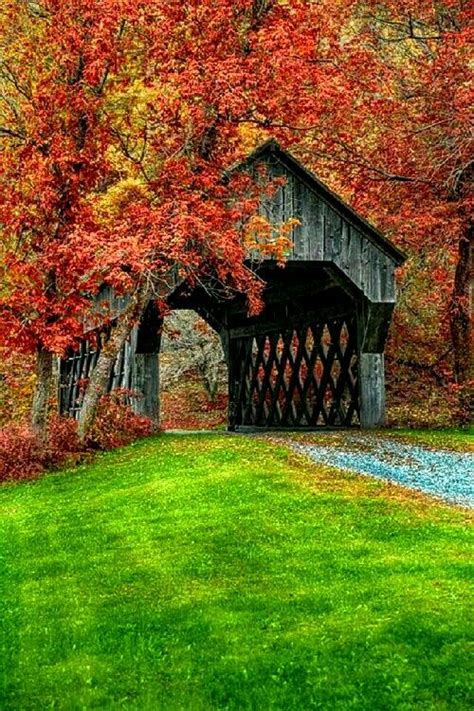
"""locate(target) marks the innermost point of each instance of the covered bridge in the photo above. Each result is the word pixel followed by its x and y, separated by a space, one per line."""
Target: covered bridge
pixel 314 356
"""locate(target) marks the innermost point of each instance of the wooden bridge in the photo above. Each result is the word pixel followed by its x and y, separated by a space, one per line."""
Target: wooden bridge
pixel 314 356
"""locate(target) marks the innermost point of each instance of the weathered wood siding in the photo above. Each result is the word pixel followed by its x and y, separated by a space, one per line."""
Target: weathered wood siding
pixel 146 382
pixel 324 235
pixel 372 389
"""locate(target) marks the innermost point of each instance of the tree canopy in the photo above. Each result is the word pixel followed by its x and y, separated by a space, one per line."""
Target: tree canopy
pixel 118 119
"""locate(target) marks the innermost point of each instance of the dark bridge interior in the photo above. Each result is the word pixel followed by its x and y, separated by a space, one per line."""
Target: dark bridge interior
pixel 295 364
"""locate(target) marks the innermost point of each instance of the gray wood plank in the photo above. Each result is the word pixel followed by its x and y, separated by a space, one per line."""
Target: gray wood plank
pixel 355 256
pixel 372 390
pixel 333 236
pixel 146 376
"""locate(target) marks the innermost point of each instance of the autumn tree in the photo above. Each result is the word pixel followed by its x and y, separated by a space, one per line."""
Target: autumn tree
pixel 403 157
pixel 119 118
pixel 55 60
pixel 118 121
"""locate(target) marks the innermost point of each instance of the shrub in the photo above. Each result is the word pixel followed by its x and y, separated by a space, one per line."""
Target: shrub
pixel 20 453
pixel 22 456
pixel 116 424
pixel 63 443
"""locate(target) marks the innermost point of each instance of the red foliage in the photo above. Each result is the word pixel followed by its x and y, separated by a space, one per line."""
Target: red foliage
pixel 403 157
pixel 118 121
pixel 63 443
pixel 116 424
pixel 22 456
pixel 20 453
pixel 186 406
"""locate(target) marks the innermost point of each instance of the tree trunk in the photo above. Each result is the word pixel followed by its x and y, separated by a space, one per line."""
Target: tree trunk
pixel 460 317
pixel 39 410
pixel 100 376
pixel 461 326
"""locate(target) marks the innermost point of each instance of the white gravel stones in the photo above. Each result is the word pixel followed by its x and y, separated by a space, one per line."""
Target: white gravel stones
pixel 447 475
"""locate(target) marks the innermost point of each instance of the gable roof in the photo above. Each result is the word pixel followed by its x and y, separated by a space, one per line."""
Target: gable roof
pixel 272 148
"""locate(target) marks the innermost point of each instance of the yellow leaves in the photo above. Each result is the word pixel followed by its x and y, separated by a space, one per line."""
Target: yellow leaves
pixel 251 136
pixel 108 206
pixel 140 115
pixel 134 102
pixel 269 240
pixel 140 105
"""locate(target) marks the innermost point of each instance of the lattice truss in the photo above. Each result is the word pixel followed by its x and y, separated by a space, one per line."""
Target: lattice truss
pixel 300 377
pixel 77 368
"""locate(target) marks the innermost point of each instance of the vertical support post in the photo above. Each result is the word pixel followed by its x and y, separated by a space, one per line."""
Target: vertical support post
pixel 146 380
pixel 372 390
pixel 61 386
pixel 146 364
pixel 229 356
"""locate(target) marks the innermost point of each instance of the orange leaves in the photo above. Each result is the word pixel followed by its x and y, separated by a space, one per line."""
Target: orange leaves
pixel 125 113
pixel 264 239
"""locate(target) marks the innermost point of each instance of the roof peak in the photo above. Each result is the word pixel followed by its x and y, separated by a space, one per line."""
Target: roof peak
pixel 272 146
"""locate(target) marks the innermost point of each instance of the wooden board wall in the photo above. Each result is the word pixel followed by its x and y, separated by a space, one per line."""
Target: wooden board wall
pixel 325 235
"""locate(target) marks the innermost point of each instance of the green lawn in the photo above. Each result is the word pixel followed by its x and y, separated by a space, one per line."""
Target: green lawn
pixel 450 439
pixel 204 572
pixel 462 439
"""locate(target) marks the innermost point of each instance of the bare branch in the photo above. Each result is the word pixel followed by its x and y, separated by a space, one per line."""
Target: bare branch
pixel 4 131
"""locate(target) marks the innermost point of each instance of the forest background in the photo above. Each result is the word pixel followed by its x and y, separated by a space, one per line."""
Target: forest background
pixel 117 121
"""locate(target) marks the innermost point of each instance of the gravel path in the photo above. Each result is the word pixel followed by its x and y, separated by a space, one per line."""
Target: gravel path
pixel 447 475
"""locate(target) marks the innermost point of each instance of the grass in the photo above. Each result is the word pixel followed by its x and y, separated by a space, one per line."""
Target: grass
pixel 460 439
pixel 451 439
pixel 203 572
